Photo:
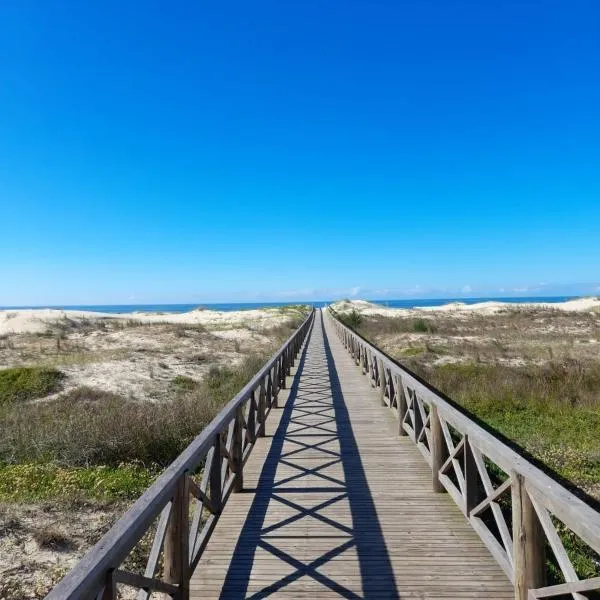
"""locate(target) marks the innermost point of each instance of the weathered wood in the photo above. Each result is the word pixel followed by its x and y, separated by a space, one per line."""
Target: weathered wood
pixel 438 449
pixel 262 409
pixel 436 536
pixel 251 421
pixel 381 382
pixel 157 546
pixel 176 553
pixel 237 465
pixel 470 471
pixel 215 483
pixel 149 584
pixel 90 574
pixel 528 540
pixel 332 471
pixel 110 586
pixel 564 589
pixel 276 385
pixel 401 406
pixel 580 518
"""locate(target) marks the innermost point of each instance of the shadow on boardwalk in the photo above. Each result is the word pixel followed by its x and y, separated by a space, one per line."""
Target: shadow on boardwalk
pixel 314 439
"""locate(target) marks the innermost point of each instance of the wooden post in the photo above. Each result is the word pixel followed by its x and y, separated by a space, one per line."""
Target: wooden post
pixel 438 448
pixel 282 371
pixel 269 390
pixel 110 587
pixel 528 541
pixel 237 450
pixel 275 384
pixel 381 370
pixel 262 409
pixel 470 471
pixel 375 368
pixel 402 407
pixel 288 360
pixel 176 553
pixel 251 423
pixel 215 485
pixel 418 422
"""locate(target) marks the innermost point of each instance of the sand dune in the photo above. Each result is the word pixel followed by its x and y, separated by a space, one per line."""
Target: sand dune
pixel 37 320
pixel 483 308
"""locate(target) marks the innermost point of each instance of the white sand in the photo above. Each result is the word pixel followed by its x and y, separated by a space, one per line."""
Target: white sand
pixel 37 320
pixel 482 308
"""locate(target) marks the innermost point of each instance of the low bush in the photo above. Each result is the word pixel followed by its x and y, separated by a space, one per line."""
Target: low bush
pixel 27 383
pixel 101 428
pixel 352 319
pixel 550 410
pixel 32 482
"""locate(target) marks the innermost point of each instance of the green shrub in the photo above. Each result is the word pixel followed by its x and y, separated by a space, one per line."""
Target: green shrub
pixel 35 482
pixel 550 410
pixel 101 428
pixel 27 383
pixel 182 382
pixel 423 326
pixel 353 319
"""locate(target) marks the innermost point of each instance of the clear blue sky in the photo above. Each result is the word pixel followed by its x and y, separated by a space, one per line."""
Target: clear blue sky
pixel 196 151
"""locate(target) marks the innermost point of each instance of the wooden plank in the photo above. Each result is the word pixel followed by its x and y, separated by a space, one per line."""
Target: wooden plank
pixel 92 570
pixel 334 502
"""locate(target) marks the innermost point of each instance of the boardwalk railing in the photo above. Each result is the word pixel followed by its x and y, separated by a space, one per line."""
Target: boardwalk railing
pixel 164 509
pixel 517 510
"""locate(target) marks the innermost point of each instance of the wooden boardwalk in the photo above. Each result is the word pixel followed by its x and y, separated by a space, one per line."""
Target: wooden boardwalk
pixel 335 504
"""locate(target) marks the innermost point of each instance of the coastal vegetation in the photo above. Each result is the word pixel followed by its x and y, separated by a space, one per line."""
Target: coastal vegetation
pixel 93 409
pixel 26 383
pixel 531 374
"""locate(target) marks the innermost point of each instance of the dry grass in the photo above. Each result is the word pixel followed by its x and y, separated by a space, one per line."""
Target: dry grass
pixel 90 427
pixel 533 375
pixel 52 538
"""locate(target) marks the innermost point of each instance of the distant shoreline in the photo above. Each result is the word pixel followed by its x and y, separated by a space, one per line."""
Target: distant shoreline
pixel 237 306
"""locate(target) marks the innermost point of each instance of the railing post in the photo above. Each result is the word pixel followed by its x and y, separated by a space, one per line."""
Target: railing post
pixel 251 423
pixel 470 470
pixel 110 587
pixel 282 369
pixel 438 447
pixel 237 450
pixel 288 360
pixel 381 370
pixel 215 484
pixel 275 384
pixel 528 541
pixel 262 409
pixel 418 420
pixel 269 390
pixel 176 569
pixel 402 406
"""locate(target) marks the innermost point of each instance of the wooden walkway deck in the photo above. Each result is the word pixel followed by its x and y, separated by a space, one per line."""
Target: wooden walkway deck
pixel 335 504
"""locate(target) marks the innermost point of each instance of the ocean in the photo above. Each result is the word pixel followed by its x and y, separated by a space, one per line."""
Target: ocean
pixel 230 306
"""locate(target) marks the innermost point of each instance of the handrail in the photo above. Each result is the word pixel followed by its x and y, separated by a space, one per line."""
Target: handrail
pixel 466 461
pixel 225 444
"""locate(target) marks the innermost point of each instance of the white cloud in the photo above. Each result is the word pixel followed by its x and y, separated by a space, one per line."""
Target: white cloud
pixel 467 289
pixel 354 291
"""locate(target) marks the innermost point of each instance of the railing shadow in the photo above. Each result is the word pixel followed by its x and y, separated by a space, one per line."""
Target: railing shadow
pixel 314 480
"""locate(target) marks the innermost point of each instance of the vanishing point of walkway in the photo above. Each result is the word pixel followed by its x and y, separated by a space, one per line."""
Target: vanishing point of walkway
pixel 335 504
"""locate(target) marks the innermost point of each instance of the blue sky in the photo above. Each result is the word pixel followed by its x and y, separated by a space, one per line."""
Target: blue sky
pixel 189 151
